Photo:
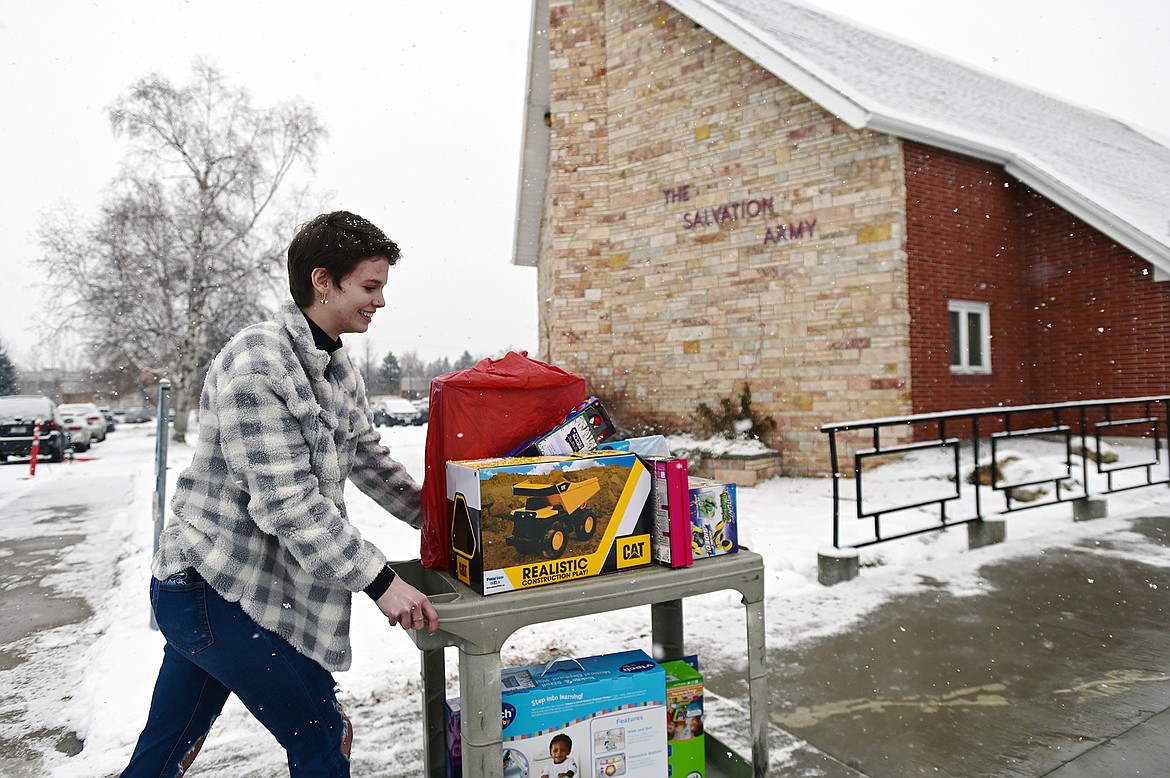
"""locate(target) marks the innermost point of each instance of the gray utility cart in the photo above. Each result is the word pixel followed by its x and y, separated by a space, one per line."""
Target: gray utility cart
pixel 479 626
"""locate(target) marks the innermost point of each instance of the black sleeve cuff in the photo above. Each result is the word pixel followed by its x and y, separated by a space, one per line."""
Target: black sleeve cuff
pixel 380 584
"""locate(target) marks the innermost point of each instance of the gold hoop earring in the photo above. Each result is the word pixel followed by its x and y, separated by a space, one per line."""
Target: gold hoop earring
pixel 324 301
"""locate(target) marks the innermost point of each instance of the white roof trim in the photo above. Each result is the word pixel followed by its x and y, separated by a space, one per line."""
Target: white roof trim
pixel 1036 177
pixel 1090 212
pixel 534 147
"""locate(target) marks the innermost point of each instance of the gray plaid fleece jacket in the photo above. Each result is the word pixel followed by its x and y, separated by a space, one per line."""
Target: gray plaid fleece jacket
pixel 260 511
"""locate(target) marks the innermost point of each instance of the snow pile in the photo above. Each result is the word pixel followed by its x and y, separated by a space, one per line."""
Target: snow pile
pixel 681 445
pixel 95 679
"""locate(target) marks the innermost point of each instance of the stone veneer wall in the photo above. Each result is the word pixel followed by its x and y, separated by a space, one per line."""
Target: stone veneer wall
pixel 653 120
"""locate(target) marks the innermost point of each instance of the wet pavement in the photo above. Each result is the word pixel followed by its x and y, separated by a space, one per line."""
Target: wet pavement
pixel 36 535
pixel 1059 666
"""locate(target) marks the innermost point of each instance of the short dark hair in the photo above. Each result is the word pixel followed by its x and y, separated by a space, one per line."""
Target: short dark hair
pixel 336 241
pixel 561 738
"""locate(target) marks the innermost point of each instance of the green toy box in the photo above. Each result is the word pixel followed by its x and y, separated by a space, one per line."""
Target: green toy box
pixel 686 742
pixel 522 522
pixel 714 528
pixel 599 716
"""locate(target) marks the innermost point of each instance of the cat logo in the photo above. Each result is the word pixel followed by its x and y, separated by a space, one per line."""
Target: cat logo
pixel 633 551
pixel 463 570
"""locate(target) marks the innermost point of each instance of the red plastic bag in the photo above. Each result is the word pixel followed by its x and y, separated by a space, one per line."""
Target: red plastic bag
pixel 485 411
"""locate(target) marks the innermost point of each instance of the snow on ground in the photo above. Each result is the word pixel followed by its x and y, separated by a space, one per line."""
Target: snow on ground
pixel 101 688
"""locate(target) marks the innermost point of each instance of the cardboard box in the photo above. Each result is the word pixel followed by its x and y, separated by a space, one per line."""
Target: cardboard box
pixel 521 522
pixel 584 428
pixel 599 716
pixel 515 764
pixel 714 529
pixel 454 754
pixel 686 743
pixel 644 446
pixel 670 537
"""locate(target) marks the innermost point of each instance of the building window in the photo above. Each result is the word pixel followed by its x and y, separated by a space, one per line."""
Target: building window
pixel 970 337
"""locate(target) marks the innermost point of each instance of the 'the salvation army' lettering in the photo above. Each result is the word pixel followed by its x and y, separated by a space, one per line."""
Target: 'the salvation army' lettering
pixel 740 209
pixel 793 231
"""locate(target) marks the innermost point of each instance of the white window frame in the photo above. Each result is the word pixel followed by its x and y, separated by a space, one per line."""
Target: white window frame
pixel 966 309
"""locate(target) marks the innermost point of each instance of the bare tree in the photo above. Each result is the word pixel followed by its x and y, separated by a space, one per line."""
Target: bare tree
pixel 367 364
pixel 179 258
pixel 413 379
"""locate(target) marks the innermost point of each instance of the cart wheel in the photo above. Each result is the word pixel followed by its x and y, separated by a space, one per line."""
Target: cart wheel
pixel 587 526
pixel 555 540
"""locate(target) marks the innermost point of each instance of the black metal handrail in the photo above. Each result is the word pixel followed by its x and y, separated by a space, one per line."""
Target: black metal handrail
pixel 1068 422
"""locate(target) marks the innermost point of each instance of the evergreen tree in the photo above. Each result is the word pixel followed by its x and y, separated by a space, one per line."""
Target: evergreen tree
pixel 390 375
pixel 465 361
pixel 8 383
pixel 440 366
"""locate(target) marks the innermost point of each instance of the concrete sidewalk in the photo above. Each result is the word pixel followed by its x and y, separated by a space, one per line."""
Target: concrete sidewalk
pixel 1060 667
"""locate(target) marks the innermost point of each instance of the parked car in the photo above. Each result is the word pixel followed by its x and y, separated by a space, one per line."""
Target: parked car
pixel 108 415
pixel 424 409
pixel 78 430
pixel 138 414
pixel 396 412
pixel 97 422
pixel 19 413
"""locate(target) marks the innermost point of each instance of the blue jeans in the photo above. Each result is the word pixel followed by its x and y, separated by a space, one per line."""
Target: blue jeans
pixel 214 649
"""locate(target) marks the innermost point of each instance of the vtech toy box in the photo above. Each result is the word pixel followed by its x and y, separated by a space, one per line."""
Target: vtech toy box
pixel 714 529
pixel 598 716
pixel 522 522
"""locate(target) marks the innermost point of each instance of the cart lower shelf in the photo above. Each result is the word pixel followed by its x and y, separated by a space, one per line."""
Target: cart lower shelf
pixel 478 626
pixel 722 762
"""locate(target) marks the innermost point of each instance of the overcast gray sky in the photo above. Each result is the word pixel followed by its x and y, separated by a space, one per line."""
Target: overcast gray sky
pixel 423 103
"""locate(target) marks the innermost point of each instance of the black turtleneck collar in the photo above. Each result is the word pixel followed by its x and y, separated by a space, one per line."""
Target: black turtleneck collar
pixel 321 338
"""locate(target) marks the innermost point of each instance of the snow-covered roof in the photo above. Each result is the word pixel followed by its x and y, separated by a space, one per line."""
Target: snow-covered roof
pixel 1097 168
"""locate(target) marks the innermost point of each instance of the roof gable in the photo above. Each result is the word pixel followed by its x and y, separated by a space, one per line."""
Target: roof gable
pixel 1095 167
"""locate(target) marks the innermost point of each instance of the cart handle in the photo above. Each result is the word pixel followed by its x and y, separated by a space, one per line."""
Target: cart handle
pixel 549 666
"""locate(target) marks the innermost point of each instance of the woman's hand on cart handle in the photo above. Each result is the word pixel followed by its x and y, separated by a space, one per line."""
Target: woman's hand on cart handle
pixel 403 604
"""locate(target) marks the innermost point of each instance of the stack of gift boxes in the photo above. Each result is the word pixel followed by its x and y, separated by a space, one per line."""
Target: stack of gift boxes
pixel 572 503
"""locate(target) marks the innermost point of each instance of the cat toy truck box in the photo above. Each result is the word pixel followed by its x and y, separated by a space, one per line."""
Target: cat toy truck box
pixel 521 522
pixel 714 528
pixel 686 743
pixel 598 716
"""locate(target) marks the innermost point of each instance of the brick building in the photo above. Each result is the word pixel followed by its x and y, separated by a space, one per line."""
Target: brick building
pixel 717 192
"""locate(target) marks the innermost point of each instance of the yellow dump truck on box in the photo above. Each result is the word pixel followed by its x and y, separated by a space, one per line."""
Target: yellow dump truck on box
pixel 528 521
pixel 550 512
